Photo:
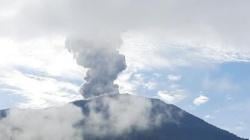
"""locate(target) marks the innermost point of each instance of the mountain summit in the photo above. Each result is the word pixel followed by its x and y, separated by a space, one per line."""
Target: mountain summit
pixel 110 117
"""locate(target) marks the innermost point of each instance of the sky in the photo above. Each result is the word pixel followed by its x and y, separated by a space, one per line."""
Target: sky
pixel 191 53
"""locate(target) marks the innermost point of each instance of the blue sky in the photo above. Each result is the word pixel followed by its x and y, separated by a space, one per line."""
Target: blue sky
pixel 194 54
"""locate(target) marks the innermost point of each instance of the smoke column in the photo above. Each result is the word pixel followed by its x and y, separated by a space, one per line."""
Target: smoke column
pixel 104 63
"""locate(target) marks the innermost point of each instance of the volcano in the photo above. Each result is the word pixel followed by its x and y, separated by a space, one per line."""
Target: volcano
pixel 109 117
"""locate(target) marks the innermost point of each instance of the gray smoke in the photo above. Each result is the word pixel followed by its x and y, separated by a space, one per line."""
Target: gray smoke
pixel 104 63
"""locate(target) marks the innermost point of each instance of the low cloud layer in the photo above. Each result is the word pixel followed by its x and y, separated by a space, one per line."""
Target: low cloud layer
pixel 48 124
pixel 99 118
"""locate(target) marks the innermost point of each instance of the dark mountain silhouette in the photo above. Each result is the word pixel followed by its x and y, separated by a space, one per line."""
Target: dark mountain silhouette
pixel 184 127
pixel 3 113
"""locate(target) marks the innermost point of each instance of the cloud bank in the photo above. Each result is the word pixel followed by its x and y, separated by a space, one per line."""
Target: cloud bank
pixel 105 116
pixel 195 22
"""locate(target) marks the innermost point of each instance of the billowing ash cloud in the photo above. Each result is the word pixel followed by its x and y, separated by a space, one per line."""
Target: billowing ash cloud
pixel 104 63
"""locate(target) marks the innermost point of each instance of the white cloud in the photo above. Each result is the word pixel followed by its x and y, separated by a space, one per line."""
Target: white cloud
pixel 172 77
pixel 150 85
pixel 40 91
pixel 162 52
pixel 119 115
pixel 172 97
pixel 43 54
pixel 52 123
pixel 125 112
pixel 130 81
pixel 200 100
pixel 40 70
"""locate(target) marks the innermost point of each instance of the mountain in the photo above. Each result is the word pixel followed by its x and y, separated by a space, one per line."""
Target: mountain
pixel 3 113
pixel 112 117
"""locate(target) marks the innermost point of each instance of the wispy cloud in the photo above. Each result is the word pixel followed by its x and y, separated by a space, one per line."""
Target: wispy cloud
pixel 200 100
pixel 172 77
pixel 172 97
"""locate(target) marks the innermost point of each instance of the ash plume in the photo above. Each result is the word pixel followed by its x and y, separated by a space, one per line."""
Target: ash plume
pixel 104 63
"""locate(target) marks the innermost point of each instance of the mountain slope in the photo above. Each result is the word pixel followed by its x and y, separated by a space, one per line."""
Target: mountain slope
pixel 114 117
pixel 185 127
